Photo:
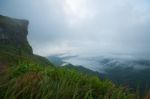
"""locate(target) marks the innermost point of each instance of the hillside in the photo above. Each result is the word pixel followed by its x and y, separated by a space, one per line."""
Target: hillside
pixel 28 76
pixel 14 46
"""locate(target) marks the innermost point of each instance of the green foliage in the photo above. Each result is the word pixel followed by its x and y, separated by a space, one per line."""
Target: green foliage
pixel 29 81
pixel 11 55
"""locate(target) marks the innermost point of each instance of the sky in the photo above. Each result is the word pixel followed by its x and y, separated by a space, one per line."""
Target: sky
pixel 84 27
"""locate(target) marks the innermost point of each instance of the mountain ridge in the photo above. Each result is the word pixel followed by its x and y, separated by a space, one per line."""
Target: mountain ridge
pixel 13 42
pixel 30 76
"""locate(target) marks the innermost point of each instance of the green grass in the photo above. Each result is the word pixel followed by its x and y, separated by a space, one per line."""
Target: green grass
pixel 30 81
pixel 29 76
pixel 11 55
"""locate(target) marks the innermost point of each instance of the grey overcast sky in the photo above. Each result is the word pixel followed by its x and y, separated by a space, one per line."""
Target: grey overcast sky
pixel 84 27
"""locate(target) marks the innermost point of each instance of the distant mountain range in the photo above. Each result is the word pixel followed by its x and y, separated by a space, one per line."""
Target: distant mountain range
pixel 134 73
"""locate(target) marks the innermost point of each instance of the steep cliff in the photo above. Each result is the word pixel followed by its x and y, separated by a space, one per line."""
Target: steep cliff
pixel 14 32
pixel 14 46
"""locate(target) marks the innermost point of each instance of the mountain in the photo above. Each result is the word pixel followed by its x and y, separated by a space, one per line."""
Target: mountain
pixel 56 60
pixel 132 72
pixel 24 75
pixel 14 32
pixel 13 42
pixel 60 62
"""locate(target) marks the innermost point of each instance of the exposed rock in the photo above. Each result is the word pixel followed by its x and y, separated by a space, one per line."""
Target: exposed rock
pixel 14 32
pixel 14 46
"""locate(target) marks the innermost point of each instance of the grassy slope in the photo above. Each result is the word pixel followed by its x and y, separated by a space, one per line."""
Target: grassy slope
pixel 10 55
pixel 33 77
pixel 29 76
pixel 29 81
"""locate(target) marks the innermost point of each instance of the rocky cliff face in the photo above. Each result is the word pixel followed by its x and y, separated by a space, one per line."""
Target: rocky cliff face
pixel 14 32
pixel 14 47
